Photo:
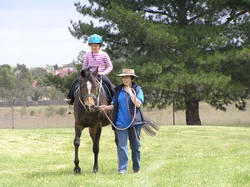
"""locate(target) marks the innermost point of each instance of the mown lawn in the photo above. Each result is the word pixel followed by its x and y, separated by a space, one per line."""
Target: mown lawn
pixel 177 156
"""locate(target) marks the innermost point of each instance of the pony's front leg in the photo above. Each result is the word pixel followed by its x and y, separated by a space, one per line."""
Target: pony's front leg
pixel 95 134
pixel 78 132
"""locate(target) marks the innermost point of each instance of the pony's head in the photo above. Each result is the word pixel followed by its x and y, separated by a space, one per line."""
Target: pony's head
pixel 88 89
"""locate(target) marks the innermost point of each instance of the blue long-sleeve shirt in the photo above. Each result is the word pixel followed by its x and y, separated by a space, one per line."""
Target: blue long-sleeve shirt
pixel 123 116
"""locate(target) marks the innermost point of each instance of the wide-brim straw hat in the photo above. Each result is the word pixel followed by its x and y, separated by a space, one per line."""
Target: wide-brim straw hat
pixel 127 72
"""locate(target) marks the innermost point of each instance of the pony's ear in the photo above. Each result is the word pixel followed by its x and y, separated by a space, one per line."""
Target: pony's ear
pixel 83 73
pixel 96 71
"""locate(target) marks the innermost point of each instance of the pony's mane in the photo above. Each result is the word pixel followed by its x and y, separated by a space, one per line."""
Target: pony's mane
pixel 88 75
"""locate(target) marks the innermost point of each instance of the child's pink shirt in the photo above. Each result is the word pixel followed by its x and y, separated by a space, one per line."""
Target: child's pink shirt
pixel 100 59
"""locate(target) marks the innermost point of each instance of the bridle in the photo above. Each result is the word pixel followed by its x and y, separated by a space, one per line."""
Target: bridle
pixel 83 97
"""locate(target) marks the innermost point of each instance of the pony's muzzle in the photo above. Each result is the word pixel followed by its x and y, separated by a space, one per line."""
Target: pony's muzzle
pixel 90 103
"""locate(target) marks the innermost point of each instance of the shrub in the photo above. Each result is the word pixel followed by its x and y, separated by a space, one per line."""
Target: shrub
pixel 49 111
pixel 61 111
pixel 32 112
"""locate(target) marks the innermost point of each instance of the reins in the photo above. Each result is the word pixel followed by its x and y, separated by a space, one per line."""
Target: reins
pixel 100 87
pixel 82 102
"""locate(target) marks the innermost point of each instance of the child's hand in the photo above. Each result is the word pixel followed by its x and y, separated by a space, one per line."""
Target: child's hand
pixel 101 73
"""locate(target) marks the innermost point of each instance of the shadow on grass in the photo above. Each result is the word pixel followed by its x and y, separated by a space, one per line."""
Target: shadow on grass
pixel 55 173
pixel 66 172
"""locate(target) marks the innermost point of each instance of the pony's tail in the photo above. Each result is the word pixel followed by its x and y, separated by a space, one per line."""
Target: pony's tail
pixel 150 127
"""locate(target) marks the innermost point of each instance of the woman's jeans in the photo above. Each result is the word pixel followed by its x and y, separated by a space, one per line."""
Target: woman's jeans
pixel 122 148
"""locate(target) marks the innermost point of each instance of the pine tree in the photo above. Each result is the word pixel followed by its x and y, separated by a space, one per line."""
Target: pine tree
pixel 184 51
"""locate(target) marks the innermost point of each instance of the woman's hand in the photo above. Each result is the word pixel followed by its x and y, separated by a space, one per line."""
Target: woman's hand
pixel 102 107
pixel 136 101
pixel 105 107
pixel 129 90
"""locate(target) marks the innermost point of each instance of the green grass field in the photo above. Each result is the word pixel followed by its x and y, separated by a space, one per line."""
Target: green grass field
pixel 177 156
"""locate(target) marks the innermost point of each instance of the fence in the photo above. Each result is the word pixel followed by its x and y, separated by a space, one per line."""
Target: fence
pixel 33 103
pixel 55 116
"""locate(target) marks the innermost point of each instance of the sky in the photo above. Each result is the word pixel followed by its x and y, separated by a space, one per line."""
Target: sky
pixel 35 32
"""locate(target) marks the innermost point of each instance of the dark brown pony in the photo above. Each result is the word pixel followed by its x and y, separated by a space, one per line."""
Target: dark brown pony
pixel 87 114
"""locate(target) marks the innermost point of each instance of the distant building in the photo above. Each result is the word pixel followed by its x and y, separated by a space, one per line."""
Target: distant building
pixel 62 72
pixel 51 68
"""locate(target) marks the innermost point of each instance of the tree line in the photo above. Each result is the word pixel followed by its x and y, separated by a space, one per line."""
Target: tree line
pixel 23 85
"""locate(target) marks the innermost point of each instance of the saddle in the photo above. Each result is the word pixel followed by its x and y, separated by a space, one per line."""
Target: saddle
pixel 107 92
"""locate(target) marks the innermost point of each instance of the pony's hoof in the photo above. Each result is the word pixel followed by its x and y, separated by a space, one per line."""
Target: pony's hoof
pixel 95 170
pixel 77 170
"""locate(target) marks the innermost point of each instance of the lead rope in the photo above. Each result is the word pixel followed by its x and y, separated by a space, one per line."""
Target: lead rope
pixel 111 120
pixel 135 133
